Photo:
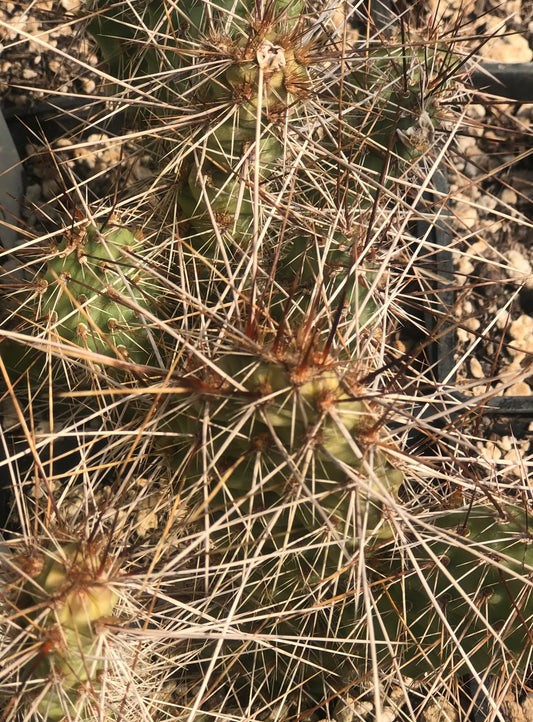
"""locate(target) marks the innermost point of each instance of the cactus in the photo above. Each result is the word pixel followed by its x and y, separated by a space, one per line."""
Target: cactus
pixel 63 594
pixel 121 37
pixel 461 598
pixel 282 160
pixel 91 295
pixel 293 408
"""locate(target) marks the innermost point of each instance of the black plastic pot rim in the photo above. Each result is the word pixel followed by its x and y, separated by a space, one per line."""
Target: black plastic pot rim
pixel 510 81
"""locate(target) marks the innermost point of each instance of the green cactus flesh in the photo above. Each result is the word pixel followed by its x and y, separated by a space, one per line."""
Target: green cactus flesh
pixel 297 433
pixel 92 295
pixel 121 36
pixel 314 269
pixel 386 124
pixel 459 600
pixel 242 147
pixel 66 598
pixel 462 598
pixel 394 80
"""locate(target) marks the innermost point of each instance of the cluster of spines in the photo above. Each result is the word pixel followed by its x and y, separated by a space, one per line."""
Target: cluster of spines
pixel 459 598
